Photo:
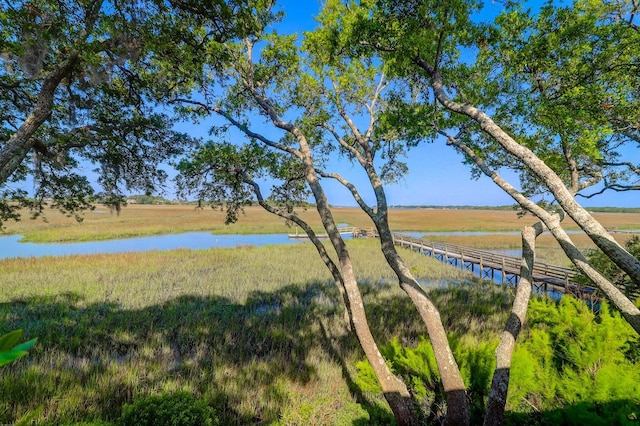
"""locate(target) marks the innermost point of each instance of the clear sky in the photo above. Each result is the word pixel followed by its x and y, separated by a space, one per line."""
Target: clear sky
pixel 437 175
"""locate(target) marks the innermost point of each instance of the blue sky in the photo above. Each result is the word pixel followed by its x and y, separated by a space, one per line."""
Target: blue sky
pixel 436 175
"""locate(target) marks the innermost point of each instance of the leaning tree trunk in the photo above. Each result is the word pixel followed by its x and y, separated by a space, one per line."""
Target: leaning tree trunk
pixel 457 402
pixel 494 415
pixel 21 142
pixel 394 389
pixel 629 311
pixel 596 232
pixel 320 248
pixel 458 412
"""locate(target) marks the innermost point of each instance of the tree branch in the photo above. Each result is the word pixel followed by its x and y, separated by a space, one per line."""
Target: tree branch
pixel 242 127
pixel 20 143
pixel 322 251
pixel 352 188
pixel 594 229
pixel 345 117
pixel 371 107
pixel 343 143
pixel 632 167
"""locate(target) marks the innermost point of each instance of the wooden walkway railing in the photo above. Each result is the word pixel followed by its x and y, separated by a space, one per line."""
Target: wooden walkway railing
pixel 546 277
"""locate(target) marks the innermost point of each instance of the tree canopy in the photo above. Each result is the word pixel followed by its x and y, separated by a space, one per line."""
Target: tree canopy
pixel 83 83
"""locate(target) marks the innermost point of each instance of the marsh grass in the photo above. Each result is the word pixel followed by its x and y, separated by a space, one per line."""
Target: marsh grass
pixel 145 220
pixel 254 334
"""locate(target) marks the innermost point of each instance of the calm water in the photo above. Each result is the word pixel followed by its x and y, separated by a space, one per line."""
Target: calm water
pixel 11 247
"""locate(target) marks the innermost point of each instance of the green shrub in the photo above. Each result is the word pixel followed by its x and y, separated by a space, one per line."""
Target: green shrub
pixel 570 366
pixel 575 364
pixel 417 366
pixel 178 409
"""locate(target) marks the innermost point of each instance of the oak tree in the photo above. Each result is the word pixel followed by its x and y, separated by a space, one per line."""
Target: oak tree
pixel 82 83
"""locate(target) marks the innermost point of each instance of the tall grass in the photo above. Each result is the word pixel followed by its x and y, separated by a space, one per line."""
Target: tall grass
pixel 247 330
pixel 144 220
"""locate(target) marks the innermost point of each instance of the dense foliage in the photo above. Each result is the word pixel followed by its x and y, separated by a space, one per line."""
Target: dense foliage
pixel 576 367
pixel 572 367
pixel 82 87
pixel 180 408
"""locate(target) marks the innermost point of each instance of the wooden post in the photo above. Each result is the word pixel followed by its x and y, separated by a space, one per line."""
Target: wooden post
pixel 566 282
pixel 481 267
pixel 504 273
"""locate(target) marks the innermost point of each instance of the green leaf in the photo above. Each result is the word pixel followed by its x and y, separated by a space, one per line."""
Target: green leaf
pixel 7 357
pixel 9 340
pixel 25 346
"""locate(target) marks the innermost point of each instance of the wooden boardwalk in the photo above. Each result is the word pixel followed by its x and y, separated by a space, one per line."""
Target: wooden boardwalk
pixel 501 268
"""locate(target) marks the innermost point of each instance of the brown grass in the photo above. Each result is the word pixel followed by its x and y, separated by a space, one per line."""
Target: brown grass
pixel 141 220
pixel 435 220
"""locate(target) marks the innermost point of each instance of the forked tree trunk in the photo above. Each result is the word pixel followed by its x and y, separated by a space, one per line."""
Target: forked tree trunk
pixel 394 389
pixel 458 412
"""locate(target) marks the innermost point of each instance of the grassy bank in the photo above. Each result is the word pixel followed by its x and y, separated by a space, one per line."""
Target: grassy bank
pixel 144 220
pixel 246 329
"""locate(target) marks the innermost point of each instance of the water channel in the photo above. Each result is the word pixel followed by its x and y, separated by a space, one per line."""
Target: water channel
pixel 11 247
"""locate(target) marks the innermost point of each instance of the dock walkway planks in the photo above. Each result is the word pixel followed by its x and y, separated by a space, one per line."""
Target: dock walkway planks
pixel 546 277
